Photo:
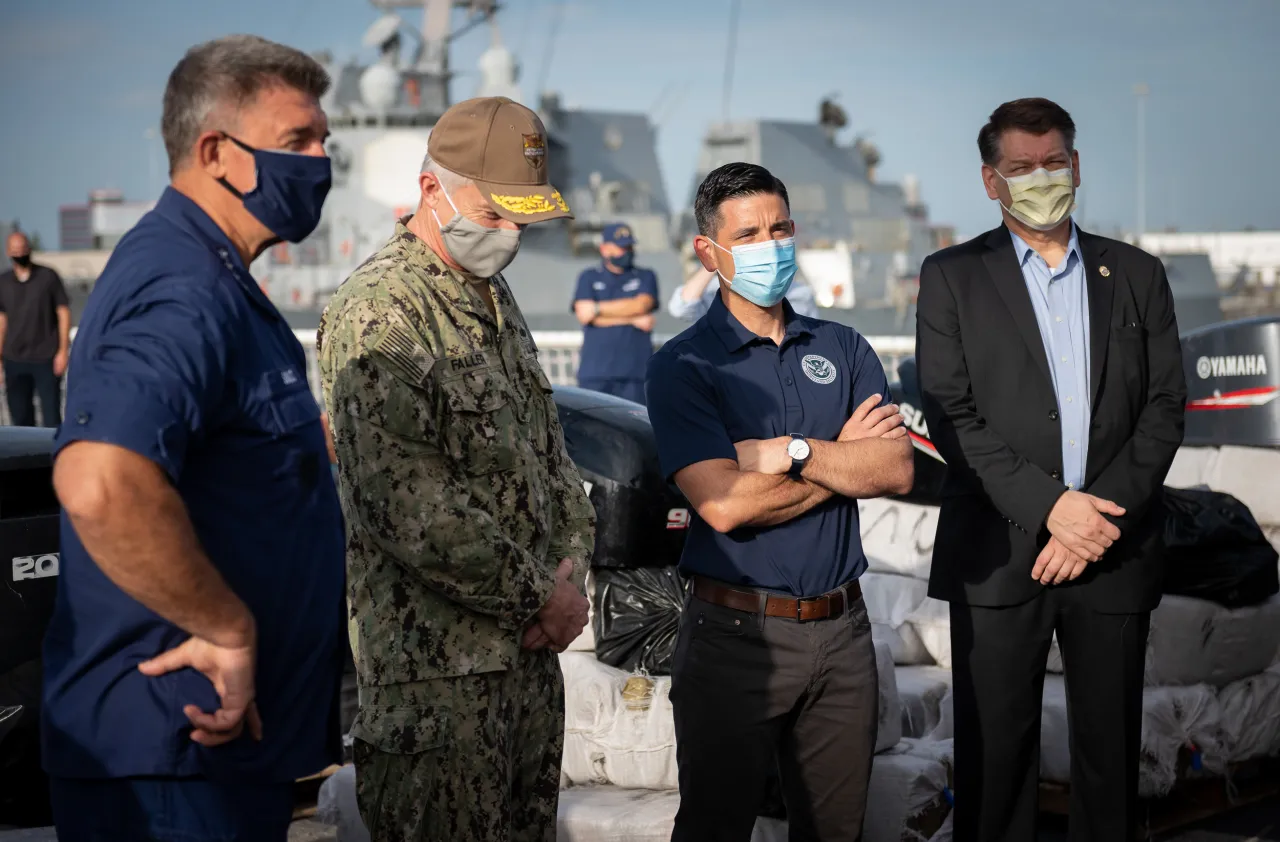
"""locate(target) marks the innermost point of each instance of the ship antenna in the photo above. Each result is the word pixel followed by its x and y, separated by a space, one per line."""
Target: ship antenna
pixel 730 55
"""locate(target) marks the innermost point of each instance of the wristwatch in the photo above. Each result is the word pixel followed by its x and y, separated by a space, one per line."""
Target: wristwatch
pixel 799 451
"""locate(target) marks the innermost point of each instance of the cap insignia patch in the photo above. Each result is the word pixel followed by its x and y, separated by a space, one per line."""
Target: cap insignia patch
pixel 535 149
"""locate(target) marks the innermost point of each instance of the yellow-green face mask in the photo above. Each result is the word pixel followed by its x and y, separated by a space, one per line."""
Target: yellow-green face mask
pixel 1041 199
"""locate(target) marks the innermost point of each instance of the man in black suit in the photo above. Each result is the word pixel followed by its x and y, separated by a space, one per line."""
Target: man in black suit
pixel 1052 384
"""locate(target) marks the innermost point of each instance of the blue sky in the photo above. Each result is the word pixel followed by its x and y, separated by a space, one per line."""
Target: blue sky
pixel 82 83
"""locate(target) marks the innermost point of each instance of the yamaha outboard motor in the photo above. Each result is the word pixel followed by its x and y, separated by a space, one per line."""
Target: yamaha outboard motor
pixel 641 520
pixel 641 524
pixel 1233 383
pixel 29 554
pixel 930 469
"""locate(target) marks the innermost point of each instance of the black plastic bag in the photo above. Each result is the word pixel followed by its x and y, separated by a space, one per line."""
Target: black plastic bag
pixel 24 787
pixel 637 616
pixel 1215 550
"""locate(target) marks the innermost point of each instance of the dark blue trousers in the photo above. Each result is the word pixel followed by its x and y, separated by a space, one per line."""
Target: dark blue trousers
pixel 170 810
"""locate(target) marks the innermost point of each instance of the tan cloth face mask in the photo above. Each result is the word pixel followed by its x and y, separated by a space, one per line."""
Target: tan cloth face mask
pixel 1041 199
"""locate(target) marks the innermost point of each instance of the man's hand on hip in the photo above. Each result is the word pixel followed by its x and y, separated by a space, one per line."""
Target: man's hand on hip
pixel 1057 564
pixel 871 420
pixel 564 616
pixel 230 669
pixel 1077 522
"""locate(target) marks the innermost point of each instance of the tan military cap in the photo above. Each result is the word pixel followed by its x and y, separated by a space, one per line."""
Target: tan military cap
pixel 501 146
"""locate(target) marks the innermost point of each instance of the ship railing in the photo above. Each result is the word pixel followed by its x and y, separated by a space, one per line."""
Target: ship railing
pixel 558 352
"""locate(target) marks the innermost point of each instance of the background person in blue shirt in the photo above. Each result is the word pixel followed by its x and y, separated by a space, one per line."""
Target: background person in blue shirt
pixel 192 664
pixel 772 425
pixel 615 303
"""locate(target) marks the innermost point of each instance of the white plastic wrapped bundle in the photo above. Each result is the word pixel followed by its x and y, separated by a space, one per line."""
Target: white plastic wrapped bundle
pixel 908 798
pixel 608 738
pixel 612 814
pixel 586 642
pixel 889 722
pixel 1192 466
pixel 1193 641
pixel 890 601
pixel 920 692
pixel 1251 716
pixel 1249 475
pixel 898 537
pixel 336 805
pixel 932 621
pixel 1173 718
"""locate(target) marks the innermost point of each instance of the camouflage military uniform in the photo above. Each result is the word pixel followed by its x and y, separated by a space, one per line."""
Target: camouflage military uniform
pixel 460 501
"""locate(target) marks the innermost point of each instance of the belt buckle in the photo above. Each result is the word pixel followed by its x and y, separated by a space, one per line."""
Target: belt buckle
pixel 800 606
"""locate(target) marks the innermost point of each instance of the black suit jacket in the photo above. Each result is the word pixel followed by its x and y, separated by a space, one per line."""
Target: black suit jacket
pixel 992 413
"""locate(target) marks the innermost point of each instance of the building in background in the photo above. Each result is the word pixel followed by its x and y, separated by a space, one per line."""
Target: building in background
pixel 1241 259
pixel 100 223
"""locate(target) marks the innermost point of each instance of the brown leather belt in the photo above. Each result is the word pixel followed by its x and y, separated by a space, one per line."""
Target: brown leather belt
pixel 817 608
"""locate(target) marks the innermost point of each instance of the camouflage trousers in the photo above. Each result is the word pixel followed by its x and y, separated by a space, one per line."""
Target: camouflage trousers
pixel 474 757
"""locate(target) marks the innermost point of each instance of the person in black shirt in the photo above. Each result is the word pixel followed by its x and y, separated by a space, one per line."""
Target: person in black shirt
pixel 35 336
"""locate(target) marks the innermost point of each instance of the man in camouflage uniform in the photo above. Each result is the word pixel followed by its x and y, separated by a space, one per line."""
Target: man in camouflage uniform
pixel 469 532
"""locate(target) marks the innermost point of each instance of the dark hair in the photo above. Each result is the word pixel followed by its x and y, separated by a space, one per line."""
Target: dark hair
pixel 1035 115
pixel 229 72
pixel 732 181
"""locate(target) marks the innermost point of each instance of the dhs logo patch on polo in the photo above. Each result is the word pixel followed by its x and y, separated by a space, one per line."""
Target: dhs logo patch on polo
pixel 818 369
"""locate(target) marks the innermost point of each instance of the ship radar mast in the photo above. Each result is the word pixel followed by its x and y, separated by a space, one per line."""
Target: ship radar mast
pixel 436 32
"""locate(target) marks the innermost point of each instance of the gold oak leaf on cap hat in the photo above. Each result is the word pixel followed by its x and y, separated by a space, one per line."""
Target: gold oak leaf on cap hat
pixel 501 146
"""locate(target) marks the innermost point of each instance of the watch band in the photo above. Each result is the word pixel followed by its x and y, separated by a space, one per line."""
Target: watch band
pixel 797 465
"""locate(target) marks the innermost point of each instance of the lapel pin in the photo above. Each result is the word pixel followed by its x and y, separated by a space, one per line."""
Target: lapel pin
pixel 1104 271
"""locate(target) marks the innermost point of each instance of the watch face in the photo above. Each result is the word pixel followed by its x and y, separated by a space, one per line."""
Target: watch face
pixel 798 449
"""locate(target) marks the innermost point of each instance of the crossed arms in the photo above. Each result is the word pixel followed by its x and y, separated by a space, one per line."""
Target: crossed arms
pixel 636 310
pixel 871 457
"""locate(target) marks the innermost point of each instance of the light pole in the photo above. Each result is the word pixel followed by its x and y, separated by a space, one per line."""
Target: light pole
pixel 1140 91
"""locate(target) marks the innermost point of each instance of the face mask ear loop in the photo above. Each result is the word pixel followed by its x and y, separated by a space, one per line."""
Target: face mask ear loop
pixel 447 199
pixel 726 251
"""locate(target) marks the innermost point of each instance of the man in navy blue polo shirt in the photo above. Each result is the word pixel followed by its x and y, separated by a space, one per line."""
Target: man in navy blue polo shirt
pixel 192 664
pixel 773 425
pixel 615 303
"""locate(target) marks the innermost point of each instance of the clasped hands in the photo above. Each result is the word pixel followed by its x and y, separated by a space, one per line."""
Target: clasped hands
pixel 869 420
pixel 1080 535
pixel 564 616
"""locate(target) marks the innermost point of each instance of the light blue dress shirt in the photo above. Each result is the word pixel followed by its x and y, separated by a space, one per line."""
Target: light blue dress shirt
pixel 1060 299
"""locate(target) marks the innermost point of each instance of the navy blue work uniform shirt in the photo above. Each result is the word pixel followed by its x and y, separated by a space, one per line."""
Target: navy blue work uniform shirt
pixel 181 358
pixel 619 352
pixel 718 383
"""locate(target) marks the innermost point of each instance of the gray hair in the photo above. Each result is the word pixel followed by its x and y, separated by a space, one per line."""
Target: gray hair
pixel 449 179
pixel 229 73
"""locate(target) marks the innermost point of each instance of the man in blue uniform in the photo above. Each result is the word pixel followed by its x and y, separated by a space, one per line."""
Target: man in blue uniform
pixel 192 664
pixel 772 424
pixel 615 303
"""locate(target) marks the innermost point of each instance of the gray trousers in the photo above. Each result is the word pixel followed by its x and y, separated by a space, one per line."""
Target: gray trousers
pixel 753 694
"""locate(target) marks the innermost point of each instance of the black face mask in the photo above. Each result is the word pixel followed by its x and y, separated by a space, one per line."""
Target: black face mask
pixel 22 260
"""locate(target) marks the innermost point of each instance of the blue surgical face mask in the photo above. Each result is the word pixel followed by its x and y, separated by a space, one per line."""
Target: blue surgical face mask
pixel 290 192
pixel 762 272
pixel 623 261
